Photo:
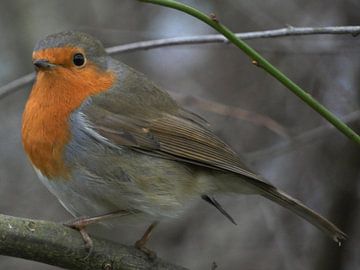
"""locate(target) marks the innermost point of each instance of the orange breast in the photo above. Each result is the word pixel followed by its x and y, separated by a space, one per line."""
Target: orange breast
pixel 55 95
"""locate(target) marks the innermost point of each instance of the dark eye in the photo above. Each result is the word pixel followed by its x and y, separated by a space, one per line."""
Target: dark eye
pixel 79 59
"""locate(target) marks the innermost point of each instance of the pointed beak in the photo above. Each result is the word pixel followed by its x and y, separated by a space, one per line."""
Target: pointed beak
pixel 43 64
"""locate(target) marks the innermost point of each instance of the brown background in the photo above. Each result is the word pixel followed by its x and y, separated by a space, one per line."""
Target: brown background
pixel 322 169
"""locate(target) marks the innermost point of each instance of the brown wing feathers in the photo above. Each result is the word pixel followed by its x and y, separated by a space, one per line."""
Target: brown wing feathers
pixel 174 137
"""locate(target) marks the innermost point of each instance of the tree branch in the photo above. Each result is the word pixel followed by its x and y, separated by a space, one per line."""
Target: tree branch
pixel 55 244
pixel 152 44
pixel 16 84
pixel 203 39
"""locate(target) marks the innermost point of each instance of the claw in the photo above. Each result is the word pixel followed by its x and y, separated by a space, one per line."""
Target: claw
pixel 140 245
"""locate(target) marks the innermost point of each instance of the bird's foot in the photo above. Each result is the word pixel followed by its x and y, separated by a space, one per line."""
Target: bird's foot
pixel 79 224
pixel 140 244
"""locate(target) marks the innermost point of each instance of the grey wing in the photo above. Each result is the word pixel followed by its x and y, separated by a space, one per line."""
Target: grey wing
pixel 138 115
pixel 168 136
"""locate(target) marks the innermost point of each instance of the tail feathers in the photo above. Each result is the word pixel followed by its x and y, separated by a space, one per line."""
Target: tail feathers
pixel 272 193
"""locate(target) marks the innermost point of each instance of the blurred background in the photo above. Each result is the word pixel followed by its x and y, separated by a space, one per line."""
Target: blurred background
pixel 303 155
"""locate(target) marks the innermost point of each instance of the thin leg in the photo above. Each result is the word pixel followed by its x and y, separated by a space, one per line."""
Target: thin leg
pixel 80 224
pixel 140 244
pixel 87 239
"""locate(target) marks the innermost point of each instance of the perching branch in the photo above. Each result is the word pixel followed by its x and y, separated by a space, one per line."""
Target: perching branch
pixel 260 61
pixel 152 44
pixel 55 244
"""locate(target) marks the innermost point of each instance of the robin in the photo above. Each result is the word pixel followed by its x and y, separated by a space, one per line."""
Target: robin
pixel 107 142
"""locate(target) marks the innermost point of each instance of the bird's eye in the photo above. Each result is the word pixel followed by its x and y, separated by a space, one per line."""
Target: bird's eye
pixel 79 59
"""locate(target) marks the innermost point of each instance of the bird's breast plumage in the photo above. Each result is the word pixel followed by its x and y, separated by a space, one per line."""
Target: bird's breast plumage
pixel 55 95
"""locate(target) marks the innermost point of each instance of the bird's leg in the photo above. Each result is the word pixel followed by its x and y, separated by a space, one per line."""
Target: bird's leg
pixel 140 244
pixel 81 222
pixel 89 246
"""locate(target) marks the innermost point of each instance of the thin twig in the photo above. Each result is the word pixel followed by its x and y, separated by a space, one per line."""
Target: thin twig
pixel 16 84
pixel 152 44
pixel 306 138
pixel 203 39
pixel 55 244
pixel 234 112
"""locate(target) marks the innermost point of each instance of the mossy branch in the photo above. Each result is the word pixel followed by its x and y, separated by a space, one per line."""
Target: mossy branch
pixel 55 244
pixel 259 61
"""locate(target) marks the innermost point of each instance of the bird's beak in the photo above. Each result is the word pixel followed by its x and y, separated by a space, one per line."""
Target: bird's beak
pixel 43 64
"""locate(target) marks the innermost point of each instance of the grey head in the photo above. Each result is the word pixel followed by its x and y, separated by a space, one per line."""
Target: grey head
pixel 92 47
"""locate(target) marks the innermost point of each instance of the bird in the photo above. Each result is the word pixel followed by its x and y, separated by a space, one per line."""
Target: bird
pixel 108 142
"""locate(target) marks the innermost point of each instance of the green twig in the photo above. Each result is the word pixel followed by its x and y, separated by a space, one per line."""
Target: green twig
pixel 258 60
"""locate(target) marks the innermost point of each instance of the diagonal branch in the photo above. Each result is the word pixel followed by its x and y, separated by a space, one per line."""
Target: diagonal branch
pixel 152 44
pixel 260 61
pixel 55 244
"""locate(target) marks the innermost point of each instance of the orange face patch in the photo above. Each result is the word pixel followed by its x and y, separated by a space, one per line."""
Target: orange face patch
pixel 56 93
pixel 58 56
